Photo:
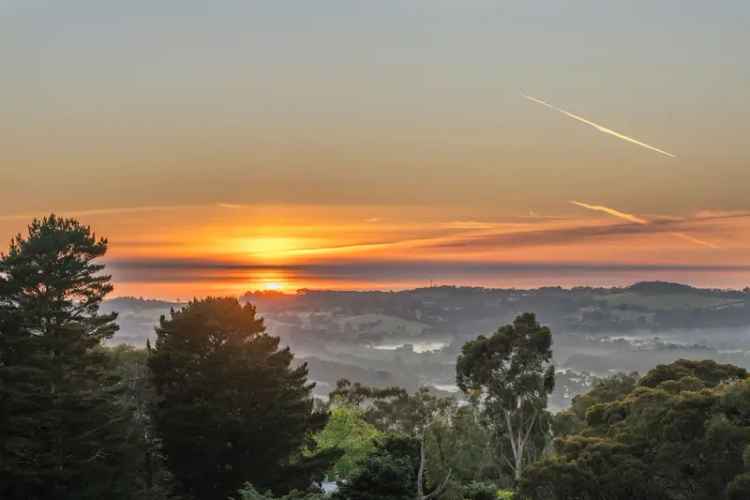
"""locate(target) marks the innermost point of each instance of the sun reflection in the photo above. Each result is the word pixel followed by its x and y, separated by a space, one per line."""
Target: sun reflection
pixel 270 281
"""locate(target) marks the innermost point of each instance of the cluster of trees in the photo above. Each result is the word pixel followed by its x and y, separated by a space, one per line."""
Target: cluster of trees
pixel 681 431
pixel 402 446
pixel 214 404
pixel 217 410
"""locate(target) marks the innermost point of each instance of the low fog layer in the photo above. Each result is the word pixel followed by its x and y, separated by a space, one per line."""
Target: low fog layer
pixel 412 338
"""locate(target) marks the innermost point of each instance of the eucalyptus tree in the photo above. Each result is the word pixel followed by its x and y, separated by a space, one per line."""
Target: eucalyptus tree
pixel 511 374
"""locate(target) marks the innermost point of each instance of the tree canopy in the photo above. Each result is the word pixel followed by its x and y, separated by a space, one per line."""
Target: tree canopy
pixel 393 409
pixel 389 473
pixel 681 437
pixel 62 432
pixel 349 432
pixel 232 408
pixel 512 374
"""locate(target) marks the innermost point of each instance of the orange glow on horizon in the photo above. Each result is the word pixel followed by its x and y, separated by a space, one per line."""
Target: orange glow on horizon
pixel 266 247
pixel 274 286
pixel 212 250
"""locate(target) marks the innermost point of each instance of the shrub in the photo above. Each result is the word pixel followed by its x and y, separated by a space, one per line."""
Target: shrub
pixel 480 490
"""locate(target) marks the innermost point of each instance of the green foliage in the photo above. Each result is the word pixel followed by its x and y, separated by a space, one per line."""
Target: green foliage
pixel 393 409
pixel 511 373
pixel 231 407
pixel 464 445
pixel 389 473
pixel 709 372
pixel 680 434
pixel 457 441
pixel 477 490
pixel 555 479
pixel 605 390
pixel 153 480
pixel 63 428
pixel 347 431
pixel 248 492
pixel 511 366
pixel 739 488
pixel 505 495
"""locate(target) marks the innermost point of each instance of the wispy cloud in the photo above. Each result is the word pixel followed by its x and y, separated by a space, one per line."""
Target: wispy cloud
pixel 99 211
pixel 545 237
pixel 598 127
pixel 641 221
pixel 118 210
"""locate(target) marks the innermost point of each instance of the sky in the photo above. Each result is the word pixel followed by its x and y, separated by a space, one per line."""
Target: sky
pixel 235 145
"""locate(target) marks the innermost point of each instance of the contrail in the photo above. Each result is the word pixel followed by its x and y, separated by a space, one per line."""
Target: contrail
pixel 598 127
pixel 611 211
pixel 639 220
pixel 689 238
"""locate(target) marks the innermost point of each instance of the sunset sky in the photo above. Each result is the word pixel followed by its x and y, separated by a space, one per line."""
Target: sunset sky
pixel 235 145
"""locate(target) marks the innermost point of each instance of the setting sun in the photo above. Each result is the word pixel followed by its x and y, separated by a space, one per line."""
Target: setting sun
pixel 274 286
pixel 310 250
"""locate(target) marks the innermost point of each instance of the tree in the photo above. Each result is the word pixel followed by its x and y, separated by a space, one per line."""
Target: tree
pixel 604 390
pixel 393 410
pixel 347 430
pixel 153 480
pixel 231 407
pixel 511 373
pixel 464 444
pixel 389 473
pixel 62 431
pixel 709 372
pixel 739 488
pixel 421 471
pixel 681 438
pixel 384 408
pixel 248 492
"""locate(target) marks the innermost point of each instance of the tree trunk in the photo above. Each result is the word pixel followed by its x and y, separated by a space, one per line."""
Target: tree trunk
pixel 420 475
pixel 518 441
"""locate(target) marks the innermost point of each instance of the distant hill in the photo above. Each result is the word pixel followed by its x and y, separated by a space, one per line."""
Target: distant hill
pixel 662 287
pixel 371 336
pixel 138 303
pixel 137 317
pixel 464 311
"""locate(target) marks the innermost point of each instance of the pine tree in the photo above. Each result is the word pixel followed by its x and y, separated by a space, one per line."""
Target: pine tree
pixel 232 409
pixel 60 426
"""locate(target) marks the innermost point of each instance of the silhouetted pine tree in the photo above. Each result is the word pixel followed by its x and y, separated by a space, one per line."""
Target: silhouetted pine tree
pixel 61 429
pixel 232 409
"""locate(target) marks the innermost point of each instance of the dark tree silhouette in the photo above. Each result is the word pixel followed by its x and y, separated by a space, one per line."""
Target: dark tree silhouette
pixel 61 431
pixel 231 408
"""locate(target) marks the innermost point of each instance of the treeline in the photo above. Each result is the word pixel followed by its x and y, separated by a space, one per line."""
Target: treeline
pixel 215 409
